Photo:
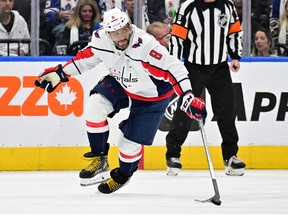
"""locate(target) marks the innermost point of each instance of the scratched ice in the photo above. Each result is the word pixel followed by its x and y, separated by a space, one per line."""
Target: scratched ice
pixel 149 192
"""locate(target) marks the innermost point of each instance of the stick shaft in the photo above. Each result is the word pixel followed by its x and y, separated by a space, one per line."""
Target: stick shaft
pixel 209 160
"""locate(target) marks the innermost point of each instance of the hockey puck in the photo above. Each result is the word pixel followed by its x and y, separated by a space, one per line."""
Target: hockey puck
pixel 216 202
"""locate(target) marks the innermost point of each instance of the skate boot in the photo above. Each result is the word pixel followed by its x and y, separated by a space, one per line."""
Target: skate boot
pixel 114 183
pixel 173 166
pixel 234 166
pixel 96 172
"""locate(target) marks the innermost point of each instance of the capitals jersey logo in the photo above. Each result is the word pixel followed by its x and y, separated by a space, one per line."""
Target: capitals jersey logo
pixel 96 34
pixel 138 44
pixel 222 20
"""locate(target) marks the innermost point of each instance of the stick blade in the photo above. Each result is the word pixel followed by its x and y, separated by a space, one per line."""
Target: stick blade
pixel 211 200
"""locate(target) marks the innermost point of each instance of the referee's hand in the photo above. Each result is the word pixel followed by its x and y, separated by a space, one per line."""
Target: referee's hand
pixel 234 65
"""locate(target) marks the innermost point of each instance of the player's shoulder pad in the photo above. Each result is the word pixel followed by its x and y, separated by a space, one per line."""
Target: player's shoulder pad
pixel 140 38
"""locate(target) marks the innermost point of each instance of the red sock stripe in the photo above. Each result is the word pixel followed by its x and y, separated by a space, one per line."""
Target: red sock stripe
pixel 97 124
pixel 130 156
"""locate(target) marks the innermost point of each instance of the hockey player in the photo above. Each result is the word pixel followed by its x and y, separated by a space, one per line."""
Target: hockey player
pixel 142 77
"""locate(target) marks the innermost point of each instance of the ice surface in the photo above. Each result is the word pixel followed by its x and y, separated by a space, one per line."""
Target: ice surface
pixel 149 192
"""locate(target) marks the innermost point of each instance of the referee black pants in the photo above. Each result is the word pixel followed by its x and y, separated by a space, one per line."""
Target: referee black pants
pixel 217 80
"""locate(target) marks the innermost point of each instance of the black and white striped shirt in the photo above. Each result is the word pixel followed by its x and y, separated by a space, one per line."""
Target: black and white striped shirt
pixel 204 33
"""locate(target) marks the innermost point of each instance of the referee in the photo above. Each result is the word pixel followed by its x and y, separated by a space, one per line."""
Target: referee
pixel 204 33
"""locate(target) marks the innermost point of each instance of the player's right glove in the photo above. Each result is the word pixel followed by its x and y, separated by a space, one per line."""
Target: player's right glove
pixel 51 78
pixel 193 106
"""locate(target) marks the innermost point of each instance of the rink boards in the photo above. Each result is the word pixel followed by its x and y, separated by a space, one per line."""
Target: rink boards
pixel 41 131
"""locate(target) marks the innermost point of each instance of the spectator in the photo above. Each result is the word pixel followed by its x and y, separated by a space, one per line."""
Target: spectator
pixel 152 10
pixel 156 10
pixel 273 20
pixel 81 24
pixel 105 5
pixel 129 6
pixel 119 4
pixel 277 10
pixel 171 8
pixel 279 29
pixel 283 26
pixel 163 10
pixel 161 32
pixel 13 26
pixel 57 13
pixel 263 44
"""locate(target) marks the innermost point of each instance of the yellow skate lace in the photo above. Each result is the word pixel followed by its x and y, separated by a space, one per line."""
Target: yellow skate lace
pixel 112 184
pixel 94 165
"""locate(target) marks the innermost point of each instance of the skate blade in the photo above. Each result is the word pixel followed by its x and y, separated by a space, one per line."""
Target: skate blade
pixel 172 171
pixel 99 178
pixel 234 172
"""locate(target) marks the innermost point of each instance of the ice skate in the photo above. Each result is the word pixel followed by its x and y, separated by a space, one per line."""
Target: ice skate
pixel 173 166
pixel 114 183
pixel 96 172
pixel 234 166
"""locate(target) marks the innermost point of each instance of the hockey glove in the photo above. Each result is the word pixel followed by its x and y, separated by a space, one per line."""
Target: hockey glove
pixel 194 107
pixel 51 78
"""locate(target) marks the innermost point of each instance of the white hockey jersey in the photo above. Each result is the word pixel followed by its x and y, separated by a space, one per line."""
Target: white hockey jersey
pixel 19 31
pixel 145 69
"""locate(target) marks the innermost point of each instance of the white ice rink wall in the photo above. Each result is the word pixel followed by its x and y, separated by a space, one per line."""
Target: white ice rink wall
pixel 41 131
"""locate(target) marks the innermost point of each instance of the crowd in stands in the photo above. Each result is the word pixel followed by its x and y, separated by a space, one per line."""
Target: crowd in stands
pixel 279 26
pixel 66 22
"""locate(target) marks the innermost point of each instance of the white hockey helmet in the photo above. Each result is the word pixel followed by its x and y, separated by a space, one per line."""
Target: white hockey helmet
pixel 115 19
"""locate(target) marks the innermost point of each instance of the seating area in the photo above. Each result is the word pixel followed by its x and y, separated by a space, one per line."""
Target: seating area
pixel 262 12
pixel 45 48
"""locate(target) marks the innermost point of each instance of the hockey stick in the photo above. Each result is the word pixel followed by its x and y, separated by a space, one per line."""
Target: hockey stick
pixel 216 198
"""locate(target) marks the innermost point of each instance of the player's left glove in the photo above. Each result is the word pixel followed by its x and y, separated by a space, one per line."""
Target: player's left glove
pixel 51 78
pixel 193 106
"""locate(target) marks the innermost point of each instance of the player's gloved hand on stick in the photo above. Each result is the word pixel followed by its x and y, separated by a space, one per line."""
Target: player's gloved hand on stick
pixel 51 78
pixel 193 106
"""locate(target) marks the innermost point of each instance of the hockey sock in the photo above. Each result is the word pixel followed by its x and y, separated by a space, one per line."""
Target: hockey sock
pixel 98 142
pixel 127 169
